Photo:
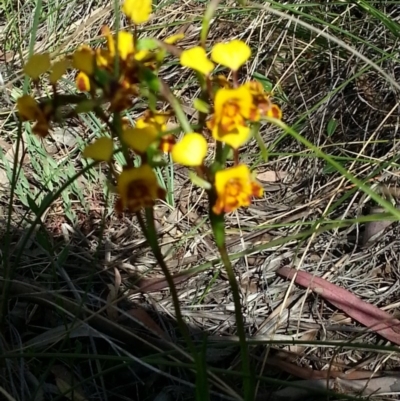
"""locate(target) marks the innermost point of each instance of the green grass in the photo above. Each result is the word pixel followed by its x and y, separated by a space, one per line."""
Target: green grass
pixel 63 250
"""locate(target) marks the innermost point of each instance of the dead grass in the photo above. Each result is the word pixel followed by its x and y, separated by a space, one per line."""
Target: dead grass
pixel 88 293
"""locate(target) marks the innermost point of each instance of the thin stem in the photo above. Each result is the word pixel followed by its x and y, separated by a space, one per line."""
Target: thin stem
pixel 175 104
pixel 235 79
pixel 236 156
pixel 218 228
pixel 149 231
pixel 247 379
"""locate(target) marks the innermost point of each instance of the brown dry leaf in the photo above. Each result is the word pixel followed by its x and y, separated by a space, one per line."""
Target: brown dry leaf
pixel 385 384
pixel 306 373
pixel 374 229
pixel 66 137
pixel 55 334
pixel 66 383
pixel 10 154
pixel 4 181
pixel 113 295
pixel 369 315
pixel 340 318
pixel 374 386
pixel 5 146
pixel 118 279
pixel 147 321
pixel 271 176
pixel 159 283
pixel 112 312
pixel 309 335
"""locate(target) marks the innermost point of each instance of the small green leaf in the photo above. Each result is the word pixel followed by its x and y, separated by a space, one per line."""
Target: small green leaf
pixel 329 168
pixel 151 79
pixel 147 44
pixel 32 204
pixel 264 81
pixel 86 106
pixel 200 182
pixel 256 133
pixel 102 77
pixel 331 128
pixel 201 105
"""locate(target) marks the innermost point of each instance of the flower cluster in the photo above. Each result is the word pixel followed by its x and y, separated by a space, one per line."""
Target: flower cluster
pixel 235 107
pixel 126 67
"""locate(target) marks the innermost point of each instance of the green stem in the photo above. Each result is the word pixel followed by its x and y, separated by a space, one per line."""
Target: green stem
pixel 205 26
pixel 152 239
pixel 175 104
pixel 218 227
pixel 150 232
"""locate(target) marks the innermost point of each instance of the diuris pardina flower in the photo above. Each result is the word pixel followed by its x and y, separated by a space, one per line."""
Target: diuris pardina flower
pixel 156 119
pixel 231 110
pixel 235 187
pixel 82 82
pixel 148 130
pixel 190 151
pixel 96 69
pixel 159 121
pixel 30 110
pixel 232 54
pixel 137 188
pixel 261 104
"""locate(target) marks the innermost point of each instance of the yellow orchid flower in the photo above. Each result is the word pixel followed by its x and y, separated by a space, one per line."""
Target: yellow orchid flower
pixel 137 188
pixel 235 187
pixel 232 108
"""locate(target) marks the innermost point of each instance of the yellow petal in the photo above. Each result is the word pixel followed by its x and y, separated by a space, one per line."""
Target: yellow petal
pixel 138 11
pixel 139 139
pixel 83 60
pixel 82 82
pixel 37 65
pixel 223 177
pixel 235 139
pixel 142 54
pixel 196 59
pixel 58 69
pixel 275 112
pixel 28 108
pixel 232 54
pixel 106 32
pixel 125 44
pixel 101 149
pixel 190 151
pixel 174 38
pixel 241 96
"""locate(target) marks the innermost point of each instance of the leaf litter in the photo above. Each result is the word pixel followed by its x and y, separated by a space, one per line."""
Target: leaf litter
pixel 263 239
